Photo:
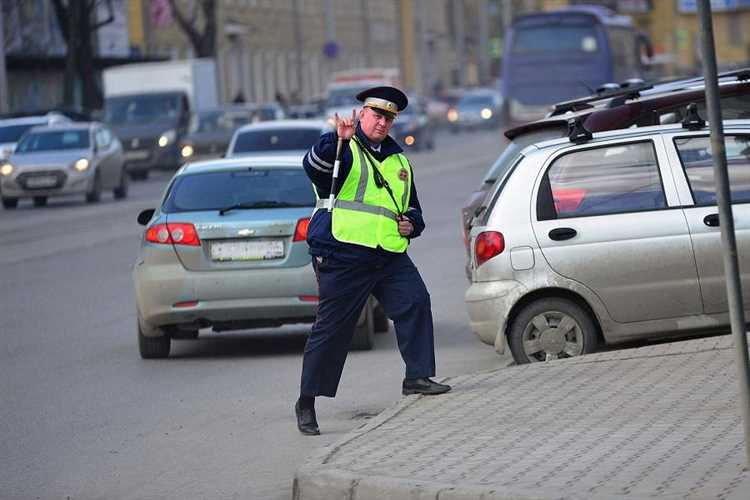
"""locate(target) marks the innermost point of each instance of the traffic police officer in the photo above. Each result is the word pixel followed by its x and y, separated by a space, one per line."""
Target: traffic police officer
pixel 359 248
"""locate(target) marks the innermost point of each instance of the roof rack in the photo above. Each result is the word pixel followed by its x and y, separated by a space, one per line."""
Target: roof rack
pixel 693 120
pixel 577 133
pixel 626 90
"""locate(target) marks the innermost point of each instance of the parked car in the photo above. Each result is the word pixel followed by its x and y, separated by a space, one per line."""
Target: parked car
pixel 476 108
pixel 11 129
pixel 606 239
pixel 631 105
pixel 413 128
pixel 277 137
pixel 226 249
pixel 61 160
pixel 211 131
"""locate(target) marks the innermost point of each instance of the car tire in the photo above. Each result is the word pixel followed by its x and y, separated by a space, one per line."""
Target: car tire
pixel 40 201
pixel 364 334
pixel 95 193
pixel 535 333
pixel 10 203
pixel 380 320
pixel 153 347
pixel 121 191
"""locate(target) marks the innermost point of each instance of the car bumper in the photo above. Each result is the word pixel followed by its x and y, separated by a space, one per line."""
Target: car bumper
pixel 488 304
pixel 167 294
pixel 68 182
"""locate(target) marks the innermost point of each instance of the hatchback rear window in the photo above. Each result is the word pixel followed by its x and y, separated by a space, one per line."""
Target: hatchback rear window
pixel 263 187
pixel 276 140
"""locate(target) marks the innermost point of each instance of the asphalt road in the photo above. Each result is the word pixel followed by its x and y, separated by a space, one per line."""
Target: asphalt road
pixel 83 417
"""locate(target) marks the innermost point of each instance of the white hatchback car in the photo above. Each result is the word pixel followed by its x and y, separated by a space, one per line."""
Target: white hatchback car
pixel 607 238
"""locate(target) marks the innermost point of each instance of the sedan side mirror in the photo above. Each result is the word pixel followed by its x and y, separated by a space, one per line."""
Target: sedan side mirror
pixel 145 216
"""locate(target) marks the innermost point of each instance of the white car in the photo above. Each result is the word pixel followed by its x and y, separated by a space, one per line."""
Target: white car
pixel 12 129
pixel 607 239
pixel 287 137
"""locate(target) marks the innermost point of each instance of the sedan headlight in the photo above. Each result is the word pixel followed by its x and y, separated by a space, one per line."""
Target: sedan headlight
pixel 452 115
pixel 6 169
pixel 167 138
pixel 81 165
pixel 186 151
pixel 486 113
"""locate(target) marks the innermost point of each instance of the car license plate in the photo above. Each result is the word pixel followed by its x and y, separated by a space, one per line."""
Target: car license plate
pixel 246 250
pixel 136 155
pixel 41 181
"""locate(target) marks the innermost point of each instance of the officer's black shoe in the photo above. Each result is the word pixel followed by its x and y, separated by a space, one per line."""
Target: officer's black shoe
pixel 306 421
pixel 423 386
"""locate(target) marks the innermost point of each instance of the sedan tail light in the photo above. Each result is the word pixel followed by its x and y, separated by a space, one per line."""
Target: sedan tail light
pixel 487 245
pixel 173 233
pixel 300 232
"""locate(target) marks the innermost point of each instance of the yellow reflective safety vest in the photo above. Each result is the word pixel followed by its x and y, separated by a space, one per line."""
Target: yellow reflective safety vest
pixel 365 214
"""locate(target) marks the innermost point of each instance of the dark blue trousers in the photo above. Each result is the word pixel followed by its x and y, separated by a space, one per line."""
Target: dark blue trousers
pixel 344 289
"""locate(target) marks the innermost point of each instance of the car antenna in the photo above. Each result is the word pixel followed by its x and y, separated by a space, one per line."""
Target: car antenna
pixel 693 120
pixel 577 133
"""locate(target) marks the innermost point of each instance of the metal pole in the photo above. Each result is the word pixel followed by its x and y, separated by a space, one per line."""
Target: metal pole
pixel 726 220
pixel 298 49
pixel 366 33
pixel 3 79
pixel 484 63
pixel 458 19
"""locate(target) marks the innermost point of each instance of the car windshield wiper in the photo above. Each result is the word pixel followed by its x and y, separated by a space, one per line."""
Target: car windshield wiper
pixel 259 204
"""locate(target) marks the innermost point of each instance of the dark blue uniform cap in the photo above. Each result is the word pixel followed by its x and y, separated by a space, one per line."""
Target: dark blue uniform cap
pixel 388 100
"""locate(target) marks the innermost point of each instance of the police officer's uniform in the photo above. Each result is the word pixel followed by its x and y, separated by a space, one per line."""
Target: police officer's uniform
pixel 357 251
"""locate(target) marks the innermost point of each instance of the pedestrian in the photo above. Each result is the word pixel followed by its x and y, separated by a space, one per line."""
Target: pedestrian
pixel 359 248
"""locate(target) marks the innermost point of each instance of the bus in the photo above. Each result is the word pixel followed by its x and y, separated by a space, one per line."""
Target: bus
pixel 555 56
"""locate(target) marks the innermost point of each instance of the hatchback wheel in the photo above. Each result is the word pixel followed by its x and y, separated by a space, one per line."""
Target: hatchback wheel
pixel 153 347
pixel 364 334
pixel 95 193
pixel 10 203
pixel 551 329
pixel 40 201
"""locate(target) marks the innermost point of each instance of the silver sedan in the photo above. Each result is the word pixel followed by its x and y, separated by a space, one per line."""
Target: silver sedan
pixel 60 160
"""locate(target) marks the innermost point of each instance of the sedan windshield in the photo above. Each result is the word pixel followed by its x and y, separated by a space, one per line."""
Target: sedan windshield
pixel 254 188
pixel 54 141
pixel 286 139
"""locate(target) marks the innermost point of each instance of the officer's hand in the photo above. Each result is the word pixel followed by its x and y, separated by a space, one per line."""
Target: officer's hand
pixel 345 127
pixel 405 227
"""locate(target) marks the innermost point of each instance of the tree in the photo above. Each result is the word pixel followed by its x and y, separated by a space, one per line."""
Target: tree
pixel 78 23
pixel 204 43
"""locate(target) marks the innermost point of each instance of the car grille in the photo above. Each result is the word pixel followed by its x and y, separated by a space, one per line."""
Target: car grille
pixel 138 143
pixel 60 177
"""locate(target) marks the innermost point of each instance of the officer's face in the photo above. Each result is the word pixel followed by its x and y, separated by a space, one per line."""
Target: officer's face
pixel 374 125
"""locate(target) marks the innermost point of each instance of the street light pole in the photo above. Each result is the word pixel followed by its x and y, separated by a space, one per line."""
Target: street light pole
pixel 3 79
pixel 726 219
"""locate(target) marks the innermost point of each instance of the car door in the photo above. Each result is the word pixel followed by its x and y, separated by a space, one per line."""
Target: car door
pixel 691 155
pixel 608 217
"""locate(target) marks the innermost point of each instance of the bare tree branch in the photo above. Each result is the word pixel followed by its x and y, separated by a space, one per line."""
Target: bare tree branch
pixel 94 8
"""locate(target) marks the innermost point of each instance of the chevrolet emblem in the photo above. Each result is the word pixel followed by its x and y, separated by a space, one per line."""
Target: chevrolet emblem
pixel 246 232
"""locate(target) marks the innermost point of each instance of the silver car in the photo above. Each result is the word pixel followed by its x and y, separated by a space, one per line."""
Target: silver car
pixel 227 249
pixel 61 160
pixel 606 240
pixel 11 129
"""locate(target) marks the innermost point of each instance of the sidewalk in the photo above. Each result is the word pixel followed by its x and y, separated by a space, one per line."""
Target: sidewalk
pixel 659 421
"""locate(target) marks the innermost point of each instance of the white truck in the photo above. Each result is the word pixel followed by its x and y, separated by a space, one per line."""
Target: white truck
pixel 148 105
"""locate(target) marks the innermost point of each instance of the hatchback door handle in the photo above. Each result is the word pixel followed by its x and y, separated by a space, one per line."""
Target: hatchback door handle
pixel 562 233
pixel 711 220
